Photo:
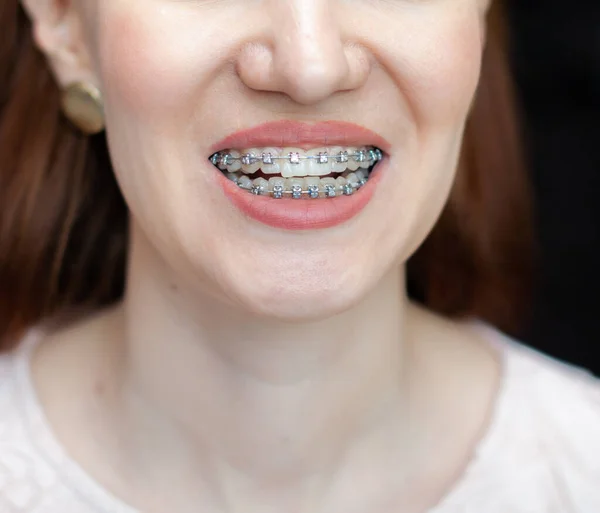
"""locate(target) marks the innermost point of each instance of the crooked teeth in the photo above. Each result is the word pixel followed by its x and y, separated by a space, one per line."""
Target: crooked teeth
pixel 294 162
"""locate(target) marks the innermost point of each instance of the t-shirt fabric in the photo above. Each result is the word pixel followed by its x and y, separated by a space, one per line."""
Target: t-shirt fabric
pixel 540 454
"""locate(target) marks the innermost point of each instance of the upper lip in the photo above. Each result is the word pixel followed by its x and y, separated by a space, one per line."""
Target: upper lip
pixel 302 135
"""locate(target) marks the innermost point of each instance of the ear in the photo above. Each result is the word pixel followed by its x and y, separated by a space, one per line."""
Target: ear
pixel 58 32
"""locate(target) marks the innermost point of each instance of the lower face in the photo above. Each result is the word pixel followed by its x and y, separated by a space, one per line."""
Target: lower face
pixel 274 165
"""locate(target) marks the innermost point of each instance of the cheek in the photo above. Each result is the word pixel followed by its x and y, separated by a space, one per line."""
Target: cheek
pixel 435 59
pixel 150 60
pixel 447 67
pixel 435 64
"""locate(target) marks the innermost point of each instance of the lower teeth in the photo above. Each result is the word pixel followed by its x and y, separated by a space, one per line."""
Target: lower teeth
pixel 300 188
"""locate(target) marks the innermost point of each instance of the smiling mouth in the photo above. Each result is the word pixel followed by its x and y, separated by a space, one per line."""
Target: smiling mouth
pixel 325 172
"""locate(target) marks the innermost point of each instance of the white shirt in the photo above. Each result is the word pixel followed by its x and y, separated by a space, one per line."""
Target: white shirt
pixel 541 453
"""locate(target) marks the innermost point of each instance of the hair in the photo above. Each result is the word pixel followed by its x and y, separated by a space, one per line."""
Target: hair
pixel 64 223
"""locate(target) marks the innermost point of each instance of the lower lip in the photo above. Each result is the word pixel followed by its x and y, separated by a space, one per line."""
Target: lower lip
pixel 301 214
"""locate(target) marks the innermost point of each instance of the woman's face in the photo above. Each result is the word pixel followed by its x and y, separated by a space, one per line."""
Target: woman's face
pixel 183 80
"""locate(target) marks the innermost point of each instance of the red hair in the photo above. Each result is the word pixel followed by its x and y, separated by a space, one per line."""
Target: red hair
pixel 63 221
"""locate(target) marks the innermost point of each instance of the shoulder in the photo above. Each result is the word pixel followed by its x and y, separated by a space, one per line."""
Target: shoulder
pixel 28 482
pixel 20 470
pixel 16 454
pixel 543 449
pixel 11 413
pixel 562 402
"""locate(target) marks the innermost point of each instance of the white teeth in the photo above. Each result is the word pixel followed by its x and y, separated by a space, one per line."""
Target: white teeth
pixel 270 166
pixel 235 165
pixel 352 164
pixel 251 160
pixel 311 187
pixel 312 180
pixel 352 178
pixel 233 177
pixel 276 181
pixel 292 162
pixel 277 186
pixel 363 160
pixel 260 186
pixel 328 186
pixel 336 165
pixel 313 166
pixel 293 166
pixel 296 185
pixel 244 182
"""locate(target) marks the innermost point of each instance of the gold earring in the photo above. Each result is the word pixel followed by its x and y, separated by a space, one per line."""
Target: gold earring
pixel 82 104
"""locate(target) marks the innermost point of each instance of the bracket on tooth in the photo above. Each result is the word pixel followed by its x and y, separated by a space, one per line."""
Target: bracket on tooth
pixel 323 158
pixel 248 159
pixel 330 191
pixel 313 191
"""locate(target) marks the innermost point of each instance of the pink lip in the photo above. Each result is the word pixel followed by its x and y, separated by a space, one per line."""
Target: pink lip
pixel 302 135
pixel 306 213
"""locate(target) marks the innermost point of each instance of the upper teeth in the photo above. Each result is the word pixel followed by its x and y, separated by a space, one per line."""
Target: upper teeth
pixel 289 162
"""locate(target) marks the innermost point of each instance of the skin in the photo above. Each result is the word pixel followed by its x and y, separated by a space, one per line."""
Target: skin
pixel 265 370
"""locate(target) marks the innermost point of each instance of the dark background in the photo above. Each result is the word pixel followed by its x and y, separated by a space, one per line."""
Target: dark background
pixel 556 61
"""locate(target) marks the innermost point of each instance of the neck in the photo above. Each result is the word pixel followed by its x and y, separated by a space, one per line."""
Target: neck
pixel 275 403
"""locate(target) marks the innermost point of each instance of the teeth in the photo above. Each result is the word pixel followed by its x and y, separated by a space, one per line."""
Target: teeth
pixel 277 186
pixel 223 161
pixel 296 186
pixel 353 161
pixel 244 182
pixel 328 186
pixel 235 164
pixel 315 166
pixel 270 166
pixel 299 174
pixel 292 166
pixel 251 160
pixel 352 178
pixel 233 177
pixel 339 160
pixel 294 162
pixel 341 181
pixel 260 186
pixel 369 155
pixel 311 187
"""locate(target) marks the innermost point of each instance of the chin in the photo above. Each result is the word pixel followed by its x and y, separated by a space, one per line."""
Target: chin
pixel 299 298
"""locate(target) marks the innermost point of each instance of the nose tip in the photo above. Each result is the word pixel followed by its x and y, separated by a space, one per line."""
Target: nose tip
pixel 304 55
pixel 310 73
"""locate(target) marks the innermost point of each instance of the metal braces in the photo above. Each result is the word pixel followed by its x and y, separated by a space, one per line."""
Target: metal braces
pixel 224 158
pixel 330 191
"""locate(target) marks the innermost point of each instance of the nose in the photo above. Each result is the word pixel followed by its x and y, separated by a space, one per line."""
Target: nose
pixel 302 52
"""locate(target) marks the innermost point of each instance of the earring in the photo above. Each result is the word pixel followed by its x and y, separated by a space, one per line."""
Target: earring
pixel 82 104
